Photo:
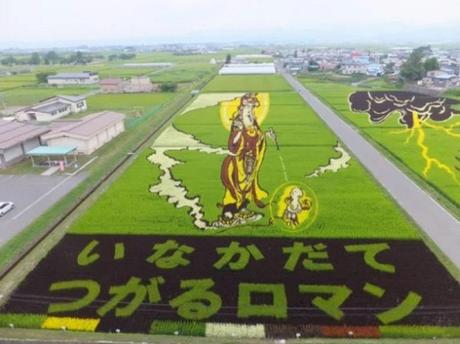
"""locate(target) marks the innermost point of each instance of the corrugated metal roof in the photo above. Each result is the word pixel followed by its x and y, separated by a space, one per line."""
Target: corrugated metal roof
pixel 86 127
pixel 70 76
pixel 49 108
pixel 74 99
pixel 13 133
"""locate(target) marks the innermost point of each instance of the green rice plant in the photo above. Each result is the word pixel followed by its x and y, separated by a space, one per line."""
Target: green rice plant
pixel 24 96
pixel 178 328
pixel 397 142
pixel 305 143
pixel 22 320
pixel 431 332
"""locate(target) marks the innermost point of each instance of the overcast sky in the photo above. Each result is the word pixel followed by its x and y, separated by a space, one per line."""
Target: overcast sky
pixel 93 21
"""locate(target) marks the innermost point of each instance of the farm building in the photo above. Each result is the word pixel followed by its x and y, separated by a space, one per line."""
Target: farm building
pixel 134 85
pixel 248 68
pixel 114 85
pixel 139 84
pixel 84 78
pixel 52 108
pixel 88 133
pixel 16 139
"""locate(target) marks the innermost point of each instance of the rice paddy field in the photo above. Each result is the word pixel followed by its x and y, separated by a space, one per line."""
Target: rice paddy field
pixel 22 89
pixel 29 95
pixel 14 81
pixel 430 153
pixel 245 218
pixel 305 145
pixel 104 69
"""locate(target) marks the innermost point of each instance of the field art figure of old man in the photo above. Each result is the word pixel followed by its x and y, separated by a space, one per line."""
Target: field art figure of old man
pixel 240 169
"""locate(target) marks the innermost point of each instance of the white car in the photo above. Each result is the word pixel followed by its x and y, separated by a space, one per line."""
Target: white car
pixel 6 207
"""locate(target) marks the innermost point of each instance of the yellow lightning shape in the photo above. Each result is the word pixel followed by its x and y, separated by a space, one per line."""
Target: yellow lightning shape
pixel 418 131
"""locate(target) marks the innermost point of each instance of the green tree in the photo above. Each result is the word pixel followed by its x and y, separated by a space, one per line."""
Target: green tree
pixel 431 64
pixel 413 69
pixel 228 59
pixel 79 58
pixel 9 61
pixel 168 87
pixel 35 59
pixel 42 78
pixel 313 66
pixel 51 57
pixel 389 68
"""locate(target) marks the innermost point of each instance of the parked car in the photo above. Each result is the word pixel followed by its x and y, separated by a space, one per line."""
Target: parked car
pixel 6 207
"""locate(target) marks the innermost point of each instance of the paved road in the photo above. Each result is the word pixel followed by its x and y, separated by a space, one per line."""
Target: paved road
pixel 437 222
pixel 32 195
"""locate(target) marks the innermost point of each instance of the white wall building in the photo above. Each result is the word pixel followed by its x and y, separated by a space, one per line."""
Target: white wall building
pixel 375 70
pixel 16 139
pixel 87 134
pixel 248 68
pixel 52 108
pixel 85 78
pixel 353 68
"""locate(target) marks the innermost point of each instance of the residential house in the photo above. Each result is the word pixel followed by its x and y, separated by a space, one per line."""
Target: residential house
pixel 353 67
pixel 327 66
pixel 451 68
pixel 375 70
pixel 84 78
pixel 52 108
pixel 16 139
pixel 440 80
pixel 295 64
pixel 88 133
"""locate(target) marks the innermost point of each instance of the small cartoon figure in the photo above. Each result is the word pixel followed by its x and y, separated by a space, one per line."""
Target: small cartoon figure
pixel 294 206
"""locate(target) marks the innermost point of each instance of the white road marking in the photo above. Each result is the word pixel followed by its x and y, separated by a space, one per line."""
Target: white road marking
pixel 51 190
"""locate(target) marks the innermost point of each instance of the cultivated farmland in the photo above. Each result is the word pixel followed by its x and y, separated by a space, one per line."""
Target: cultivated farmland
pixel 430 153
pixel 245 217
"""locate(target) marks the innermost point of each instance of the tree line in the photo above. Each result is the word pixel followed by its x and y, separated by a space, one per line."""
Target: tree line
pixel 52 57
